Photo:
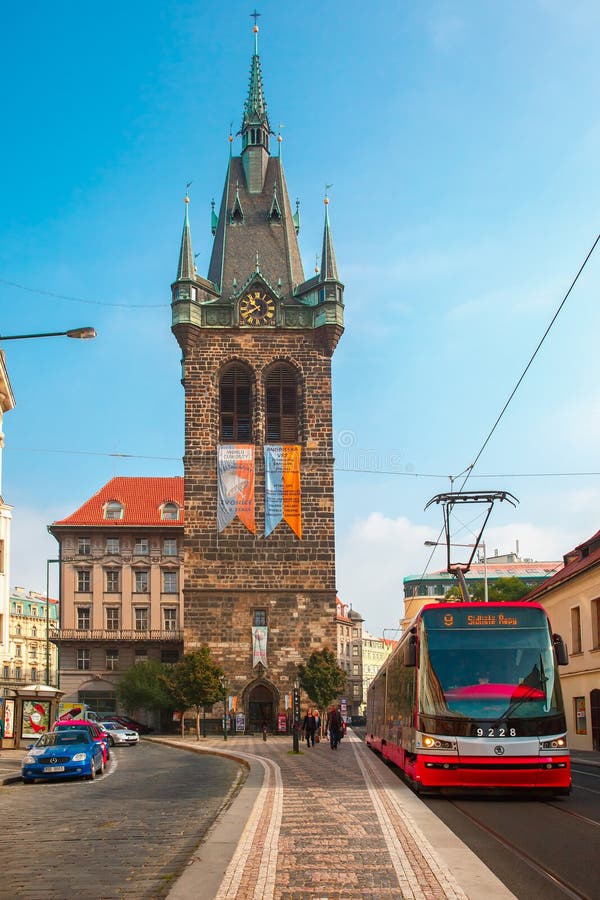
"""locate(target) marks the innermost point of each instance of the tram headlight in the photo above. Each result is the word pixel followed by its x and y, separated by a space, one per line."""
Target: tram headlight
pixel 434 743
pixel 555 744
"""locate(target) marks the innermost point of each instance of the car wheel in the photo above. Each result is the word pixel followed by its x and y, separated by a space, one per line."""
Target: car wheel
pixel 92 774
pixel 111 741
pixel 28 780
pixel 101 767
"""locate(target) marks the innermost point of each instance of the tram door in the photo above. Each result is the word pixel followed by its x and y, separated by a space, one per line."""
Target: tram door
pixel 260 708
pixel 595 710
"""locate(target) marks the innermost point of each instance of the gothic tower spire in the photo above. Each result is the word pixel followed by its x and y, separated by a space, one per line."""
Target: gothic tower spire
pixel 185 268
pixel 255 128
pixel 328 263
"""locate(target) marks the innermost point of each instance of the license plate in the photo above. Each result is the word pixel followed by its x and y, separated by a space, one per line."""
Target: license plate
pixel 54 768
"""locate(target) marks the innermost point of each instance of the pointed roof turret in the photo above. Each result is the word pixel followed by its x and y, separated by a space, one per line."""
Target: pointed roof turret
pixel 186 267
pixel 328 263
pixel 255 107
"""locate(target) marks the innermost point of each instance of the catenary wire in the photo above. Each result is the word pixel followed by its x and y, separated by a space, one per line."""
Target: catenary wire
pixel 526 369
pixel 31 290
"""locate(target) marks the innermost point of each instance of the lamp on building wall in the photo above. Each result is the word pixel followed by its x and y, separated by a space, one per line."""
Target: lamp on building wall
pixel 480 544
pixel 48 564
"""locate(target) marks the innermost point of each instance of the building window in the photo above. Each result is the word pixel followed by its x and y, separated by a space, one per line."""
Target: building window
pixel 34 675
pixel 596 623
pixel 6 672
pixel 1 557
pixel 83 658
pixel 281 405
pixel 18 671
pixel 235 405
pixel 170 618
pixel 113 581
pixel 141 654
pixel 34 631
pixel 580 716
pixel 84 618
pixel 34 610
pixel 112 660
pixel 113 546
pixel 141 618
pixel 576 629
pixel 141 580
pixel 169 657
pixel 18 629
pixel 169 585
pixel 169 512
pixel 33 651
pixel 355 668
pixel 259 618
pixel 356 691
pixel 113 618
pixel 141 547
pixel 84 580
pixel 18 651
pixel 83 546
pixel 354 649
pixel 113 510
pixel 170 547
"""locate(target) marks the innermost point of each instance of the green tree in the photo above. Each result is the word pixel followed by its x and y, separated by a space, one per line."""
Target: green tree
pixel 322 679
pixel 143 687
pixel 194 683
pixel 453 593
pixel 501 590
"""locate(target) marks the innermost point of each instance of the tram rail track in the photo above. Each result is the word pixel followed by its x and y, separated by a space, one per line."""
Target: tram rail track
pixel 545 871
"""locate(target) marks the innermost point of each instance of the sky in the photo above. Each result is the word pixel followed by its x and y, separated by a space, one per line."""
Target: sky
pixel 462 142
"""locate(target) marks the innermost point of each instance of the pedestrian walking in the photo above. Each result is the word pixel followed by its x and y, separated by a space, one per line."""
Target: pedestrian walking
pixel 334 727
pixel 309 726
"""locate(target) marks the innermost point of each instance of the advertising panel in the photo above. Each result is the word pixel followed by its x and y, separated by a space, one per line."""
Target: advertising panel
pixel 36 715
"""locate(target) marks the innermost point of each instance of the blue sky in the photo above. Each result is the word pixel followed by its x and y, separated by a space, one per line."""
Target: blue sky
pixel 462 141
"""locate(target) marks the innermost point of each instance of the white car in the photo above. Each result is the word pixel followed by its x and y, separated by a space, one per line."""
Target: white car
pixel 117 735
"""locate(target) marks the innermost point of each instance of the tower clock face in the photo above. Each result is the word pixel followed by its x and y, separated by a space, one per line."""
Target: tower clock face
pixel 257 308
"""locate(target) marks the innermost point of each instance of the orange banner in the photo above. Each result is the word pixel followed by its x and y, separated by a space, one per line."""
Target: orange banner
pixel 292 501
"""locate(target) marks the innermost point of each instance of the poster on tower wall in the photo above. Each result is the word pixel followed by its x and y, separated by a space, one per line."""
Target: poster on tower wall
pixel 283 498
pixel 235 479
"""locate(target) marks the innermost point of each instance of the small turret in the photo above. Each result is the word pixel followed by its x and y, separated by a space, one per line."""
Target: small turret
pixel 186 268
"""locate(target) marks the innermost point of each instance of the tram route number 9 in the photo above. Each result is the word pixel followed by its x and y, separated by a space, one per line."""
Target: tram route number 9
pixel 495 732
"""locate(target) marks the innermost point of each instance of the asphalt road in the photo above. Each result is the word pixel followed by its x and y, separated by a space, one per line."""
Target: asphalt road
pixel 128 834
pixel 541 850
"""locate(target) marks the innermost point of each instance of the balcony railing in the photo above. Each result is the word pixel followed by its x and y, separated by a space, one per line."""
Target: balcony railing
pixel 102 634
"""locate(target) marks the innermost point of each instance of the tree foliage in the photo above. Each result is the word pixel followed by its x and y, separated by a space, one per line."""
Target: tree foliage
pixel 321 678
pixel 502 590
pixel 143 687
pixel 195 683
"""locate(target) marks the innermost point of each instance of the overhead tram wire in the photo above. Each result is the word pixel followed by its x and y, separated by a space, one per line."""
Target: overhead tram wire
pixel 470 468
pixel 23 287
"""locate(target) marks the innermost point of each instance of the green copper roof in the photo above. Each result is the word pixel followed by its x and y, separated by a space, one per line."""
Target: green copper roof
pixel 328 263
pixel 186 268
pixel 255 107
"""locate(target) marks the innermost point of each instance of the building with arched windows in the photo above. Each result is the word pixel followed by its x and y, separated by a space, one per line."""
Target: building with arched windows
pixel 257 340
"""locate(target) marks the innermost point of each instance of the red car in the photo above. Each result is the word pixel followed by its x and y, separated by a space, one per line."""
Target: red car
pixel 96 732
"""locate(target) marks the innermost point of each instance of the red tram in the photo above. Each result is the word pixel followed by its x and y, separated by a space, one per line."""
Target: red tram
pixel 470 699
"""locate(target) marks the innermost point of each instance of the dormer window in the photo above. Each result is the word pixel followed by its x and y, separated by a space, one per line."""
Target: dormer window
pixel 169 512
pixel 113 510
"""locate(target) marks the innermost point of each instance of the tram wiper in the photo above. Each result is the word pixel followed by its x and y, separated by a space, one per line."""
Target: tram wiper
pixel 514 706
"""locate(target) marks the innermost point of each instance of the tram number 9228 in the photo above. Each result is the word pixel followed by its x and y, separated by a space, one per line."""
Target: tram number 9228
pixel 493 732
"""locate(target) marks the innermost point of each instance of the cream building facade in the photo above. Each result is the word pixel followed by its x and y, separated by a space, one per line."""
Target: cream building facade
pixel 375 651
pixel 121 596
pixel 572 600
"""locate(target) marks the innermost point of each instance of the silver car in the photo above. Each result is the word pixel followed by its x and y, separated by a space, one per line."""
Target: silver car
pixel 119 736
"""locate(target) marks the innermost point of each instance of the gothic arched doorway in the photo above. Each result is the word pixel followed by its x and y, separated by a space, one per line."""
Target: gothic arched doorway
pixel 262 706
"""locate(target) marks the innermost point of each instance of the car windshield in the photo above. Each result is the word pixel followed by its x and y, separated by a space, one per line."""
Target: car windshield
pixel 487 664
pixel 60 738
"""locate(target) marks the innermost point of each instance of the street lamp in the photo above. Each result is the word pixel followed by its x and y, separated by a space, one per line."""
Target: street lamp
pixel 48 563
pixel 480 544
pixel 224 687
pixel 83 334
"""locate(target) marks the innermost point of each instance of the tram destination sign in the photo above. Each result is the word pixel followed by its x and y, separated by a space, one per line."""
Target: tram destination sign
pixel 465 618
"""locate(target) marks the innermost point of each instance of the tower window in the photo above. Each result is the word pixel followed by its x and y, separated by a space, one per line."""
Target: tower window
pixel 281 405
pixel 235 406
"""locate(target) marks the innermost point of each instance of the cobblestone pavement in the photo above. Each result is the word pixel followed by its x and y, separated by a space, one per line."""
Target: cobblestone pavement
pixel 332 825
pixel 128 834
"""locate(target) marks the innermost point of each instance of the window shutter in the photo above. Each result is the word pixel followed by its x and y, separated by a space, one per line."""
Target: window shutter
pixel 281 402
pixel 235 405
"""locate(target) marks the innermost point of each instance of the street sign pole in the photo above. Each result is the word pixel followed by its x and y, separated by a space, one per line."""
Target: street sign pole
pixel 296 719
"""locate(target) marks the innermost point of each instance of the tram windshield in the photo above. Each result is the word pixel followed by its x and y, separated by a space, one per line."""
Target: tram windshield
pixel 487 664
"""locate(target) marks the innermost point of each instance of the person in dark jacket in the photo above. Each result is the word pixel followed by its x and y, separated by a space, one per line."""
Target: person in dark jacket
pixel 334 727
pixel 309 727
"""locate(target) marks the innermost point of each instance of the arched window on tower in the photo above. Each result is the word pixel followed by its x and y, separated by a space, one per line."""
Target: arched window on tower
pixel 281 405
pixel 235 405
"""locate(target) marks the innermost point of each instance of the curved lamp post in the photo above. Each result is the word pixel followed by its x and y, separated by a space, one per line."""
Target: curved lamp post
pixel 83 334
pixel 224 687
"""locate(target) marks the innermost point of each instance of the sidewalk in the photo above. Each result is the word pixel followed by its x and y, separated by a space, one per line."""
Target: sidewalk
pixel 327 825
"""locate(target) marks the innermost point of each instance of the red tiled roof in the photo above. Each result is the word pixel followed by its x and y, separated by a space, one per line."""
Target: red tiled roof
pixel 581 563
pixel 141 499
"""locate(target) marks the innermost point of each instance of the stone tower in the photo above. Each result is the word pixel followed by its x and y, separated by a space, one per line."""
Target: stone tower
pixel 257 341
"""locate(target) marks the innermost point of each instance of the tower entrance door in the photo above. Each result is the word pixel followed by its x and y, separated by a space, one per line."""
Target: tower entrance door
pixel 261 707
